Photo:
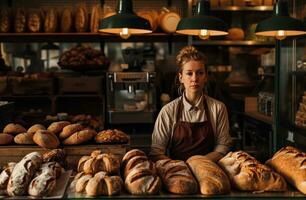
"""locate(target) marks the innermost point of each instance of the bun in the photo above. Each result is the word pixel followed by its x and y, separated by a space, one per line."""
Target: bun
pixel 290 163
pixel 14 129
pixel 24 138
pixel 69 130
pixel 57 127
pixel 247 174
pixel 32 130
pixel 211 178
pixel 6 139
pixel 176 177
pixel 46 139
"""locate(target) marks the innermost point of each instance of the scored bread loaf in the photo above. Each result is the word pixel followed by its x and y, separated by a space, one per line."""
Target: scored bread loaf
pixel 176 176
pixel 291 164
pixel 141 181
pixel 138 162
pixel 23 173
pixel 46 139
pixel 103 162
pixel 57 127
pixel 45 180
pixel 5 175
pixel 212 180
pixel 82 182
pixel 248 174
pixel 24 138
pixel 32 130
pixel 14 129
pixel 6 138
pixel 129 155
pixel 69 130
pixel 79 137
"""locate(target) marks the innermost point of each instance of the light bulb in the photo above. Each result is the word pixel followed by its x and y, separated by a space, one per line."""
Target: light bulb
pixel 280 35
pixel 125 33
pixel 204 34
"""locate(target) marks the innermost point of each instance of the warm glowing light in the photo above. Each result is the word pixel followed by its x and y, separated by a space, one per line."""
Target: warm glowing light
pixel 280 35
pixel 204 34
pixel 125 33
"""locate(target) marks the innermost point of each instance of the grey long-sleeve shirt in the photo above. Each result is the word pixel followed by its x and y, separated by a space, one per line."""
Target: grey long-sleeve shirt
pixel 166 121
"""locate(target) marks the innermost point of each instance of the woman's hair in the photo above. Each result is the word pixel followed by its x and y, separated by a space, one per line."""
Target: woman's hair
pixel 185 55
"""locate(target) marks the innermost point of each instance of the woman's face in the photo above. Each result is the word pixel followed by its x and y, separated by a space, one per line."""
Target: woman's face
pixel 193 76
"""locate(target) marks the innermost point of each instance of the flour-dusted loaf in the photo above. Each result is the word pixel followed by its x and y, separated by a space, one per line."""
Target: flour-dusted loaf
pixel 212 180
pixel 5 175
pixel 291 164
pixel 141 181
pixel 176 177
pixel 23 173
pixel 248 174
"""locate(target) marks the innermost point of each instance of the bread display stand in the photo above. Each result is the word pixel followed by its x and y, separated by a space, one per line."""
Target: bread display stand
pixel 13 153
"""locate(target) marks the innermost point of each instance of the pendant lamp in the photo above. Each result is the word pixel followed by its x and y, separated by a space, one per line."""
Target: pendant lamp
pixel 280 25
pixel 125 23
pixel 201 24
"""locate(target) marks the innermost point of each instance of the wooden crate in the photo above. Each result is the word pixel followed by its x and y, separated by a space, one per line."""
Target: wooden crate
pixel 15 153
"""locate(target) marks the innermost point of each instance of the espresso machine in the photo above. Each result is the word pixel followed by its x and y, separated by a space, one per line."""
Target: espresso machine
pixel 131 97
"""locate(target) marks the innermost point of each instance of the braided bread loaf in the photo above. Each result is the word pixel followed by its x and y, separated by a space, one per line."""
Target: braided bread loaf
pixel 291 164
pixel 246 173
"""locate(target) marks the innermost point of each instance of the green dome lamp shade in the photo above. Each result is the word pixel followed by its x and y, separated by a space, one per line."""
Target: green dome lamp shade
pixel 280 25
pixel 125 23
pixel 201 24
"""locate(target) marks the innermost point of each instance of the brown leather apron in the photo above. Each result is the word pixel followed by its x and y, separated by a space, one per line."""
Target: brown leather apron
pixel 191 138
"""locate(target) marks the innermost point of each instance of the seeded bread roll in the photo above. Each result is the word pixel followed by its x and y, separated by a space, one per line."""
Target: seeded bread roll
pixel 46 139
pixel 6 138
pixel 14 129
pixel 57 127
pixel 22 174
pixel 24 138
pixel 291 164
pixel 69 130
pixel 35 128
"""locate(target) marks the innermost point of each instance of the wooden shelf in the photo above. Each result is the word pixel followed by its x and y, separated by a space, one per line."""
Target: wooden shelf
pixel 260 117
pixel 244 8
pixel 88 37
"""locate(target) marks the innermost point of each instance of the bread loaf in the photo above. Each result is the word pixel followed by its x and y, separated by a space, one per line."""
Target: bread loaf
pixel 112 136
pixel 50 24
pixel 81 163
pixel 24 138
pixel 94 185
pixel 69 130
pixel 138 162
pixel 14 129
pixel 4 20
pixel 246 173
pixel 79 137
pixel 20 21
pixel 104 162
pixel 291 164
pixel 82 182
pixel 129 155
pixel 141 181
pixel 56 155
pixel 94 18
pixel 34 21
pixel 6 139
pixel 168 20
pixel 81 19
pixel 32 130
pixel 5 175
pixel 46 139
pixel 57 127
pixel 66 21
pixel 211 179
pixel 176 177
pixel 45 179
pixel 23 173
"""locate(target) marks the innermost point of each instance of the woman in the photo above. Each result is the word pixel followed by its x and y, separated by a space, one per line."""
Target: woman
pixel 194 123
